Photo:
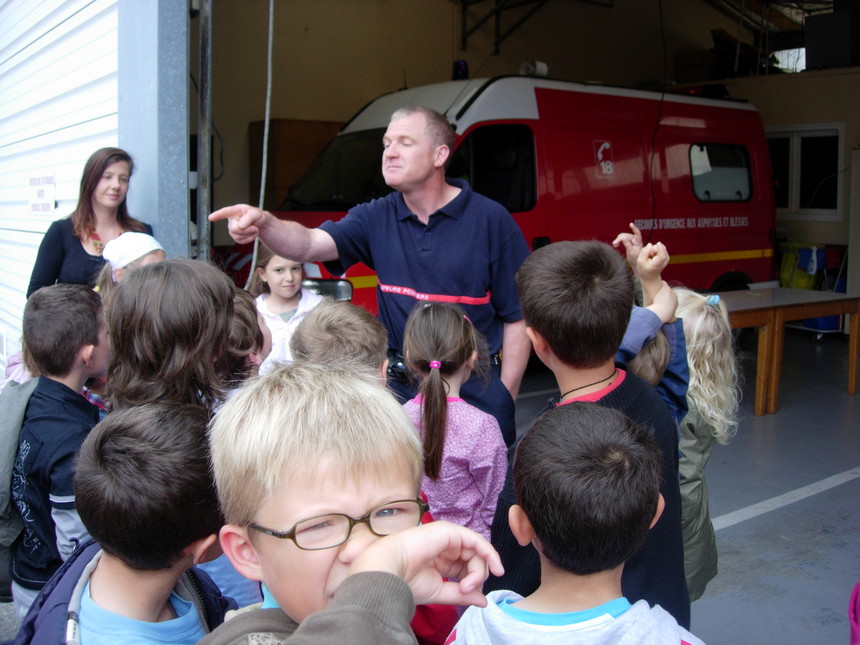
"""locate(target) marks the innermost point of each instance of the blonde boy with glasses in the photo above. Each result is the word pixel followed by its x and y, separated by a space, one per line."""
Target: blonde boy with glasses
pixel 314 465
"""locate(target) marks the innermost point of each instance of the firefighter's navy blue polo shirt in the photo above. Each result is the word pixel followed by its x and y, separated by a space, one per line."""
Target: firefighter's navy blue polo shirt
pixel 467 253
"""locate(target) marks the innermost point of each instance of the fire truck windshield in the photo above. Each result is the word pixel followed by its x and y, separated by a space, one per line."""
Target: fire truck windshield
pixel 347 172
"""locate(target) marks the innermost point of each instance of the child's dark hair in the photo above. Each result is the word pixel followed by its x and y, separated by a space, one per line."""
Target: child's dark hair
pixel 143 485
pixel 245 337
pixel 58 321
pixel 578 296
pixel 169 324
pixel 588 479
pixel 437 341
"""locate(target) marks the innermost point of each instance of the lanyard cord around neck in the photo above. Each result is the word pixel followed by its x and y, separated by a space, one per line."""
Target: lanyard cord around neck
pixel 582 387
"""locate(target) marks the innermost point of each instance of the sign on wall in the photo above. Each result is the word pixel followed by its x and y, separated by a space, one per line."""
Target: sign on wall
pixel 42 195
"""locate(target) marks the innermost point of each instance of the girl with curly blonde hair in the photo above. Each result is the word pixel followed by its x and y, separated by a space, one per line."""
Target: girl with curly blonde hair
pixel 712 398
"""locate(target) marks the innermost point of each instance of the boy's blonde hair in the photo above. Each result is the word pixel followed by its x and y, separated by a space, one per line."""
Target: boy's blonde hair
pixel 713 391
pixel 288 422
pixel 336 331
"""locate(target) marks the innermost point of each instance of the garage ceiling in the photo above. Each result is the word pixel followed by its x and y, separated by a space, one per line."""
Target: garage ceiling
pixel 779 21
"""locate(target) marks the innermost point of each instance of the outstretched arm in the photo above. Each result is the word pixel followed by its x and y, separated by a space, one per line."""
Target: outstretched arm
pixel 288 239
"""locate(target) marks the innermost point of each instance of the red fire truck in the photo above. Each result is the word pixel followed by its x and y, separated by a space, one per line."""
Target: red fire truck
pixel 579 161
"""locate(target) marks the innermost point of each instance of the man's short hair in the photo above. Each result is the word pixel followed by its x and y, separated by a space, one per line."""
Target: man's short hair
pixel 335 332
pixel 58 321
pixel 588 479
pixel 578 296
pixel 143 485
pixel 438 129
pixel 286 423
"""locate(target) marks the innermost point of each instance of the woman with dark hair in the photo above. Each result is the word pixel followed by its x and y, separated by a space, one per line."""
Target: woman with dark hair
pixel 71 250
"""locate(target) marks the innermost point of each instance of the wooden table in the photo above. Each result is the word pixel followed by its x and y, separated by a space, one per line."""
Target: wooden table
pixel 769 310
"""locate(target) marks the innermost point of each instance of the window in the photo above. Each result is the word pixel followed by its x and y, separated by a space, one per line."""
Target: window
pixel 498 161
pixel 791 60
pixel 807 173
pixel 347 172
pixel 720 172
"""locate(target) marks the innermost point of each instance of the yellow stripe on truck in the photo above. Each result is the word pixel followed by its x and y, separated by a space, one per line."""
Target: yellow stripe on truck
pixel 749 254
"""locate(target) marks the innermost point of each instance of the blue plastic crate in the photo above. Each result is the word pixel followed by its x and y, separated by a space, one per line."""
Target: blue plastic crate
pixel 827 323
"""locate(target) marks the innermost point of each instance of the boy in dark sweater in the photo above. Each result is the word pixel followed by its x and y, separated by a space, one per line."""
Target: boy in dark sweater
pixel 576 299
pixel 67 339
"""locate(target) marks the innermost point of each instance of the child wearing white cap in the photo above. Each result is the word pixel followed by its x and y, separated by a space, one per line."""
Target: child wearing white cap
pixel 129 250
pixel 138 249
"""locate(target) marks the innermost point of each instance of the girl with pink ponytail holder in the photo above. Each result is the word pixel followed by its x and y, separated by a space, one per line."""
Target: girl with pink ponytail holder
pixel 465 458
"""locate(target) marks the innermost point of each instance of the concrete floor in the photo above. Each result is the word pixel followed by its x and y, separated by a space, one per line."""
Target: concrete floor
pixel 784 498
pixel 788 565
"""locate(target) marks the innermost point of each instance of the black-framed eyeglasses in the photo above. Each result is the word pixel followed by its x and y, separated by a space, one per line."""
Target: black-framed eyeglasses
pixel 331 530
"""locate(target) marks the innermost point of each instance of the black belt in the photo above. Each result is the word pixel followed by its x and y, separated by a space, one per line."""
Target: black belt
pixel 397 368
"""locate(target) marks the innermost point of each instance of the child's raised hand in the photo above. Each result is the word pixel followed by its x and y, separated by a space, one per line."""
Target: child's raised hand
pixel 652 259
pixel 632 244
pixel 425 555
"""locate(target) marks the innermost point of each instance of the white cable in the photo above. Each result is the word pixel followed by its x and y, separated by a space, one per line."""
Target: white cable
pixel 265 134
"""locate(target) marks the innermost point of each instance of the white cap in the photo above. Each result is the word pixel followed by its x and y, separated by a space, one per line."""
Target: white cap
pixel 128 247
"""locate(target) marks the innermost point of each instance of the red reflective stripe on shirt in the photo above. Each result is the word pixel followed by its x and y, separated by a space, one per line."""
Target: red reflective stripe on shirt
pixel 434 297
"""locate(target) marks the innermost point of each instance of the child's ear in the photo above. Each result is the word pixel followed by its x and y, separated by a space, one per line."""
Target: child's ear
pixel 261 273
pixel 205 549
pixel 117 275
pixel 541 347
pixel 470 362
pixel 85 354
pixel 238 548
pixel 661 504
pixel 537 340
pixel 520 525
pixel 383 370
